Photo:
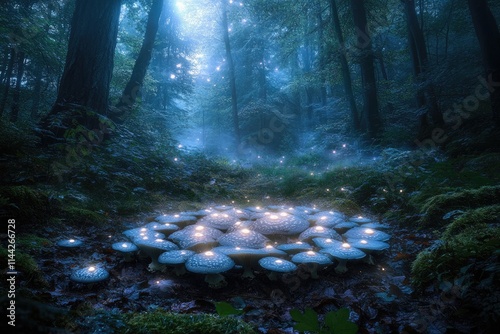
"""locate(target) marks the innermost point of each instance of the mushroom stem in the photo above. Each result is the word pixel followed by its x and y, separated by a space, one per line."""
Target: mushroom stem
pixel 215 281
pixel 369 259
pixel 247 272
pixel 180 270
pixel 156 266
pixel 341 267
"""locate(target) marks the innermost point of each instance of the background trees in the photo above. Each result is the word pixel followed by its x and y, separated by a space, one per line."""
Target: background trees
pixel 295 74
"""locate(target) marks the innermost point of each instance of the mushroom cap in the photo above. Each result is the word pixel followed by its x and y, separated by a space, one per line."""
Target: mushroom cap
pixel 89 275
pixel 368 244
pixel 321 232
pixel 218 220
pixel 175 256
pixel 324 215
pixel 147 243
pixel 196 241
pixel 223 207
pixel 242 255
pixel 209 263
pixel 295 247
pixel 178 219
pixel 344 251
pixel 196 214
pixel 141 232
pixel 196 228
pixel 276 208
pixel 277 264
pixel 326 220
pixel 311 257
pixel 326 242
pixel 307 210
pixel 255 209
pixel 280 223
pixel 272 251
pixel 344 226
pixel 360 219
pixel 124 247
pixel 240 225
pixel 165 228
pixel 376 226
pixel 69 243
pixel 243 238
pixel 366 233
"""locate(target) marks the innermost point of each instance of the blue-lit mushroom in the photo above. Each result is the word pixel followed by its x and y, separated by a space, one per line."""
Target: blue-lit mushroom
pixel 367 234
pixel 245 257
pixel 342 254
pixel 153 248
pixel 280 224
pixel 360 219
pixel 368 246
pixel 176 259
pixel 69 243
pixel 126 249
pixel 219 220
pixel 165 228
pixel 319 232
pixel 244 238
pixel 276 266
pixel 313 260
pixel 91 274
pixel 211 264
pixel 295 247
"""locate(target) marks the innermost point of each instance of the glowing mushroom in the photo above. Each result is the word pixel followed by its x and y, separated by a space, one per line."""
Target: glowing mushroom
pixel 212 264
pixel 342 254
pixel 91 274
pixel 313 260
pixel 276 266
pixel 176 259
pixel 245 257
pixel 368 246
pixel 219 220
pixel 153 248
pixel 294 248
pixel 319 231
pixel 367 234
pixel 244 238
pixel 281 224
pixel 127 249
pixel 69 243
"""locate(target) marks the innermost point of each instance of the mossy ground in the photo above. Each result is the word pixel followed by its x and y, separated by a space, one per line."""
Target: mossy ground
pixel 158 321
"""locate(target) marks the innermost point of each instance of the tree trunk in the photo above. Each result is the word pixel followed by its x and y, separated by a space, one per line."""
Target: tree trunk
pixel 232 77
pixel 37 89
pixel 425 96
pixel 133 87
pixel 346 73
pixel 14 111
pixel 8 75
pixel 5 63
pixel 370 120
pixel 488 35
pixel 89 61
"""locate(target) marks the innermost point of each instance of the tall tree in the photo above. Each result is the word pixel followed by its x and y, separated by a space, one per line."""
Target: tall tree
pixel 488 35
pixel 133 87
pixel 346 73
pixel 232 76
pixel 425 96
pixel 370 119
pixel 89 62
pixel 14 112
pixel 8 76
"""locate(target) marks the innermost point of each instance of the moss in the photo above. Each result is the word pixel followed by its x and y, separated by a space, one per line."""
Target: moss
pixel 32 243
pixel 436 207
pixel 76 216
pixel 165 322
pixel 346 206
pixel 25 265
pixel 473 221
pixel 470 239
pixel 26 204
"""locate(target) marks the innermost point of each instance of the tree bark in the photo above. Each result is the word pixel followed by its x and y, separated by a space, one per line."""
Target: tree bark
pixel 89 61
pixel 14 111
pixel 488 36
pixel 370 120
pixel 133 87
pixel 232 76
pixel 37 89
pixel 8 75
pixel 346 73
pixel 425 95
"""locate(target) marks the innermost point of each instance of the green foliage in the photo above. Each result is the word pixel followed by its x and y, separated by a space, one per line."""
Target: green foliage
pixel 29 272
pixel 436 207
pixel 27 204
pixel 77 216
pixel 224 309
pixel 159 321
pixel 335 322
pixel 31 243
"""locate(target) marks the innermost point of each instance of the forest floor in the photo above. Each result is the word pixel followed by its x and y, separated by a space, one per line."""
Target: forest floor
pixel 379 296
